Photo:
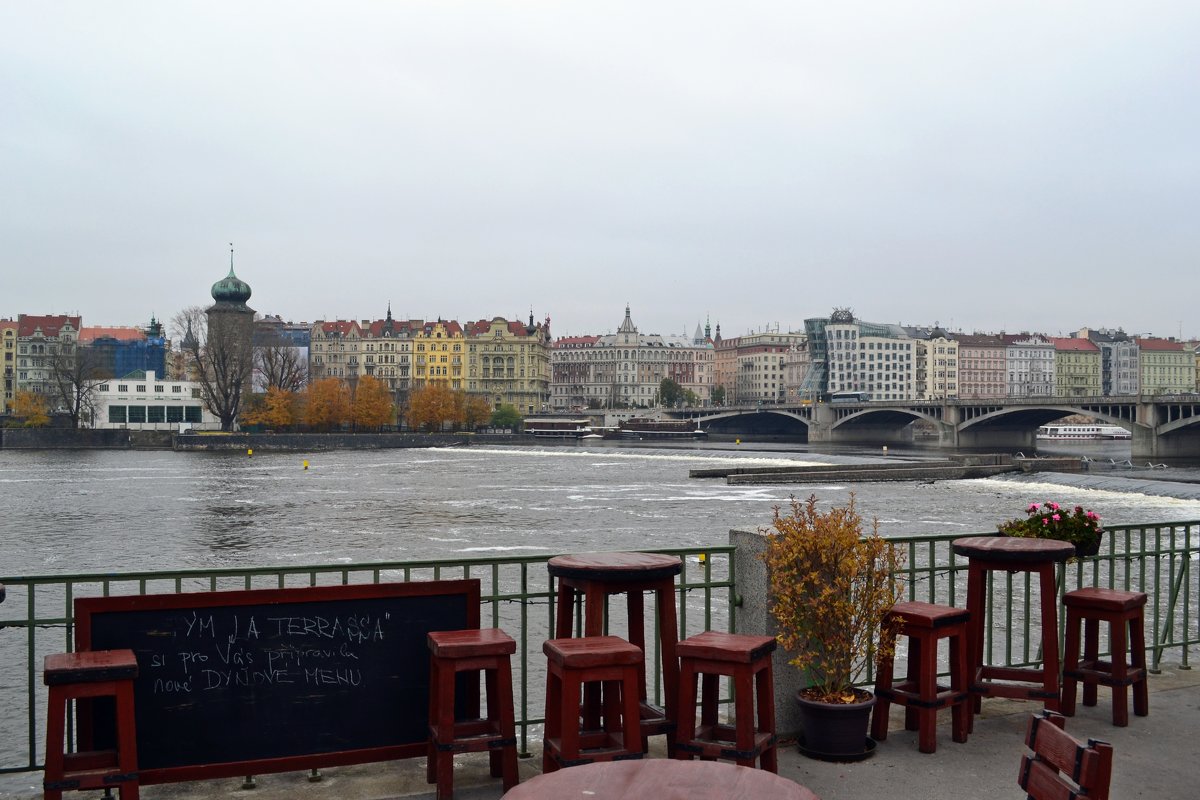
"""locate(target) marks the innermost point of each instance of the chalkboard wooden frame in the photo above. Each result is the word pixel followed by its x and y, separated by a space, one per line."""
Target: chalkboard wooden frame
pixel 399 613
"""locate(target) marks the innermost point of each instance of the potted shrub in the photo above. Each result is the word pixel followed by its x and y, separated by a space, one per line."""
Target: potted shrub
pixel 1052 521
pixel 830 588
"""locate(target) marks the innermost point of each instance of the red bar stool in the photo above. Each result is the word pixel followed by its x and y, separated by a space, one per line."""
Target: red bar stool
pixel 607 661
pixel 1013 554
pixel 747 660
pixel 590 578
pixel 83 675
pixel 1123 611
pixel 452 652
pixel 924 624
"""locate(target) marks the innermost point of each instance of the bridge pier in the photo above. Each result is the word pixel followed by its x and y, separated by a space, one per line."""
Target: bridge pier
pixel 1149 444
pixel 996 437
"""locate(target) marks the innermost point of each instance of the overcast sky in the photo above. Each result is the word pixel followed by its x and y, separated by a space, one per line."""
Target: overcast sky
pixel 985 165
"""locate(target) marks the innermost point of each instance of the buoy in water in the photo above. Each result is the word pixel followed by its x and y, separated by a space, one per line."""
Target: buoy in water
pixel 703 557
pixel 737 441
pixel 250 452
pixel 306 464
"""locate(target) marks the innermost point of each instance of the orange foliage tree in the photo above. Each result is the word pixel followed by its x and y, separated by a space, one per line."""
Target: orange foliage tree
pixel 432 406
pixel 475 411
pixel 276 409
pixel 373 406
pixel 327 404
pixel 31 408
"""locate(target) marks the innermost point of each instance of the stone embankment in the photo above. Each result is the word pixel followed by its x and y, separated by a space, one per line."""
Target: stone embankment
pixel 957 468
pixel 313 442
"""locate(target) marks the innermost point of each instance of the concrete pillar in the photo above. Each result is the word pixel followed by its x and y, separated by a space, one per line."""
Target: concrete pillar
pixel 752 616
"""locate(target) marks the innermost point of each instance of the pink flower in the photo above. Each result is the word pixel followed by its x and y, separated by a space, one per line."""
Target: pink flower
pixel 1053 506
pixel 1045 521
pixel 1056 518
pixel 1032 508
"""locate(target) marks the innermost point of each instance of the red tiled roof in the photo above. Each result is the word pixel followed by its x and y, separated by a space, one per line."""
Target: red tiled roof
pixel 1159 344
pixel 123 333
pixel 50 325
pixel 576 341
pixel 340 326
pixel 1074 344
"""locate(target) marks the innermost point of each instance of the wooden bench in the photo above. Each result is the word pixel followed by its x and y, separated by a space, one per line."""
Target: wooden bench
pixel 1061 767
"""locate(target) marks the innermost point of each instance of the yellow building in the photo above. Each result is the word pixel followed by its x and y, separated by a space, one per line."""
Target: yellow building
pixel 508 362
pixel 1077 368
pixel 439 355
pixel 1165 367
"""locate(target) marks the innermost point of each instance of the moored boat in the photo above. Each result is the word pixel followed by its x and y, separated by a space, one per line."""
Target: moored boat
pixel 1084 432
pixel 661 429
pixel 557 427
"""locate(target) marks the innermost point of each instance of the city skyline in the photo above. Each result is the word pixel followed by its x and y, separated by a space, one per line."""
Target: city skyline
pixel 1002 166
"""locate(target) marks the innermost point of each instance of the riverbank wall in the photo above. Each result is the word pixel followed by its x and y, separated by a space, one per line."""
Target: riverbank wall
pixel 85 439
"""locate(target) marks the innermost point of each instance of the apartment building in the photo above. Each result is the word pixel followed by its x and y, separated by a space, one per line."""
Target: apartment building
pixel 1077 368
pixel 1165 366
pixel 41 339
pixel 626 369
pixel 8 363
pixel 1029 365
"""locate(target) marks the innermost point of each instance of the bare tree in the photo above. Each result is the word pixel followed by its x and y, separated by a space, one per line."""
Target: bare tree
pixel 278 362
pixel 75 371
pixel 219 357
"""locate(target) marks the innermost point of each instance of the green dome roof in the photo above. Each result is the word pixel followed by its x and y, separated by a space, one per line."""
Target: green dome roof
pixel 231 289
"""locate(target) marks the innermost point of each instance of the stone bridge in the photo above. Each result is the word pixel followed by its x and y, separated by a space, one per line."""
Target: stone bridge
pixel 1161 426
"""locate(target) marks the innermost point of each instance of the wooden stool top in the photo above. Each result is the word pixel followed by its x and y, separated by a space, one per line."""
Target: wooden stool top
pixel 1104 599
pixel 89 666
pixel 592 651
pixel 718 646
pixel 928 615
pixel 659 778
pixel 471 643
pixel 1013 549
pixel 615 566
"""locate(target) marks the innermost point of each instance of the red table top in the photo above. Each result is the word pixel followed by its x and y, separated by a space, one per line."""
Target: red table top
pixel 659 779
pixel 1013 549
pixel 615 566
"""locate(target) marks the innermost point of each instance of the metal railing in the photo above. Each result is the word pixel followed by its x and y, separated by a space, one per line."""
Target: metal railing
pixel 1158 559
pixel 37 618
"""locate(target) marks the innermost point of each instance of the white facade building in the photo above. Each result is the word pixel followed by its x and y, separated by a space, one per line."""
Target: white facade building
pixel 151 404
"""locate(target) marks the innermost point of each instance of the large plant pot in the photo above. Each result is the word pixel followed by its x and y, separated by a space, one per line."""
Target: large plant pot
pixel 836 731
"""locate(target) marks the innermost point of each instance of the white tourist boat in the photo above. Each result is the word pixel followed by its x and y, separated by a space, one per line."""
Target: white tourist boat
pixel 1084 432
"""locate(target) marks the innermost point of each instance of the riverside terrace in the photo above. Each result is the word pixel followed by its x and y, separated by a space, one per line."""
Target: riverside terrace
pixel 723 591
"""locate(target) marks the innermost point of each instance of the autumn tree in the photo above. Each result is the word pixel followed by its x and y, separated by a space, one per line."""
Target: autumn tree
pixel 373 406
pixel 75 372
pixel 220 356
pixel 275 409
pixel 475 412
pixel 431 406
pixel 506 416
pixel 327 404
pixel 31 408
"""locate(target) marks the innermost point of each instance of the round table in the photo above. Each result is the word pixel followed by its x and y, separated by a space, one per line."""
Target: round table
pixel 1013 554
pixel 659 779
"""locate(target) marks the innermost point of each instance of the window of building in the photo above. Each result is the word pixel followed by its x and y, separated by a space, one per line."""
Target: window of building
pixel 155 414
pixel 122 387
pixel 192 414
pixel 141 387
pixel 174 413
pixel 196 393
pixel 137 414
pixel 102 387
pixel 116 414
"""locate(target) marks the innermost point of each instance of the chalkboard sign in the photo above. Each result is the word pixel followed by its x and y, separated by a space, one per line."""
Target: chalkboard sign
pixel 251 682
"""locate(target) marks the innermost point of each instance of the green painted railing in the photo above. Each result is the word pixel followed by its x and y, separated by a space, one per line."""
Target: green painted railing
pixel 1158 559
pixel 37 619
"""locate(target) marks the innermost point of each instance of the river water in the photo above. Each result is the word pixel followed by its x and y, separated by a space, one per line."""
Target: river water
pixel 111 511
pixel 85 511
